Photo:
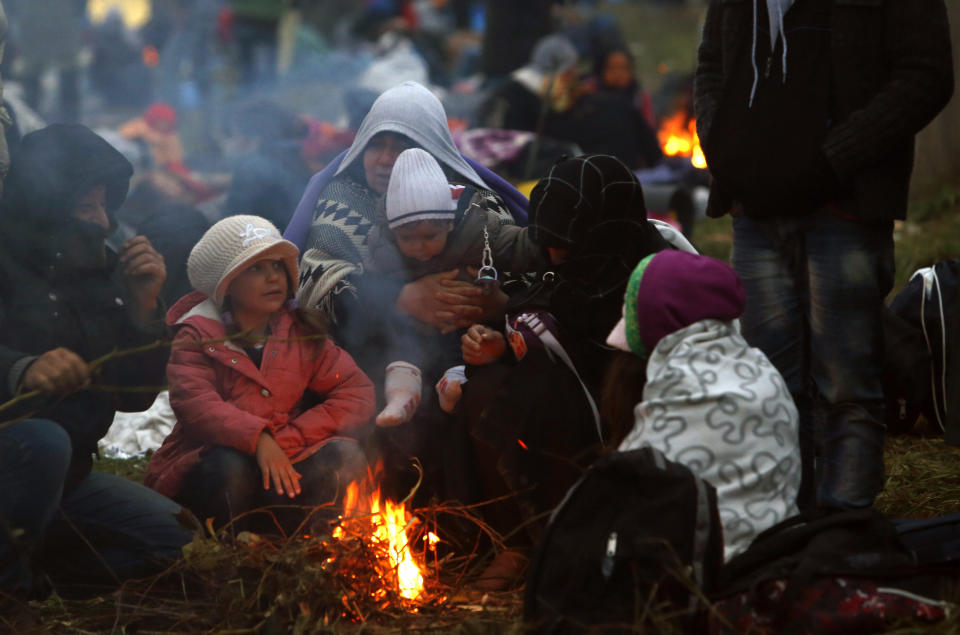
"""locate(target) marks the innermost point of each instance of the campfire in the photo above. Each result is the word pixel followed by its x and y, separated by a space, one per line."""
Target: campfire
pixel 377 565
pixel 387 528
pixel 678 137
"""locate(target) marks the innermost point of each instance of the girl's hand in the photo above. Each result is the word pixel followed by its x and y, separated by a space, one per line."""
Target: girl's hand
pixel 275 466
pixel 482 345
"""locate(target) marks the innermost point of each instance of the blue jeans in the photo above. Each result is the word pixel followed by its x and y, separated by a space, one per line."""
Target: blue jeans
pixel 103 531
pixel 815 290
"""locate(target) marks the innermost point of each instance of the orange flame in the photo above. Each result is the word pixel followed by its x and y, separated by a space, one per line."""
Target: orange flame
pixel 390 524
pixel 678 137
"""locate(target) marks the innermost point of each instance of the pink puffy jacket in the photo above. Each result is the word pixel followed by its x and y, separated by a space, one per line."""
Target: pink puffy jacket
pixel 220 397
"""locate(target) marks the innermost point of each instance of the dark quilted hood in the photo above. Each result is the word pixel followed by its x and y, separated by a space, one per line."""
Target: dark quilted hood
pixel 55 166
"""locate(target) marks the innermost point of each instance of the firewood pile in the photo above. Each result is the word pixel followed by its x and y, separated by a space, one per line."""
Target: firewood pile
pixel 342 579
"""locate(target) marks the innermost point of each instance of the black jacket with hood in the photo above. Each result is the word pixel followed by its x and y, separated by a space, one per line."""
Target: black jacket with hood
pixel 890 72
pixel 58 288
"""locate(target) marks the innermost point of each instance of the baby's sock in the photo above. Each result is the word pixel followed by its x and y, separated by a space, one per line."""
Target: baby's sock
pixel 402 389
pixel 449 387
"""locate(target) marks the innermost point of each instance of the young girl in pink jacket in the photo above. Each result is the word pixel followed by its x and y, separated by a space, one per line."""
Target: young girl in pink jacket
pixel 266 406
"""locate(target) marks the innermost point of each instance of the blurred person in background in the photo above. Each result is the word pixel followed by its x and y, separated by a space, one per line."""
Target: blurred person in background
pixel 546 97
pixel 187 55
pixel 270 172
pixel 253 26
pixel 535 96
pixel 512 30
pixel 118 71
pixel 614 72
pixel 615 89
pixel 157 129
pixel 49 37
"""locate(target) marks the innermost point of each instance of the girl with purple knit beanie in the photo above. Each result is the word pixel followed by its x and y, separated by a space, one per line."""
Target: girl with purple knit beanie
pixel 711 401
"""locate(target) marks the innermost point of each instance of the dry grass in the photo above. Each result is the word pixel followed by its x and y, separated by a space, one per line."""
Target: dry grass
pixel 923 478
pixel 247 584
pixel 301 584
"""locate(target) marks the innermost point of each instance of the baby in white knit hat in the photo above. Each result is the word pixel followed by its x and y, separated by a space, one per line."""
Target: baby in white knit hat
pixel 431 226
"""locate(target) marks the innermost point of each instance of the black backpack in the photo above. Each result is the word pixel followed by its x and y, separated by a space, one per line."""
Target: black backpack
pixel 922 345
pixel 637 539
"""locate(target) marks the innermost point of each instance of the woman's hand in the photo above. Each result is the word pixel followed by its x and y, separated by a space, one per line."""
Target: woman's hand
pixel 448 304
pixel 276 467
pixel 481 345
pixel 442 301
pixel 493 305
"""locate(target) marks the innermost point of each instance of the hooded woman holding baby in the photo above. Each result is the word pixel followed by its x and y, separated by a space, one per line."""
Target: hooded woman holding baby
pixel 333 221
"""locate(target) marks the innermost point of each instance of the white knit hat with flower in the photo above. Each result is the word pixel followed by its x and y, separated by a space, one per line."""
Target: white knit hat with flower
pixel 418 190
pixel 231 244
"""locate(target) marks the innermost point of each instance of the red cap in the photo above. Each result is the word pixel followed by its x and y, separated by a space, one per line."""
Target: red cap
pixel 161 117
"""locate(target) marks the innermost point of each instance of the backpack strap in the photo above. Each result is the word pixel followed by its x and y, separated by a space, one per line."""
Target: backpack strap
pixel 554 347
pixel 931 281
pixel 701 533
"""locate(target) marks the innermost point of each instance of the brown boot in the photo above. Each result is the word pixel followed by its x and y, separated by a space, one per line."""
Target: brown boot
pixel 504 573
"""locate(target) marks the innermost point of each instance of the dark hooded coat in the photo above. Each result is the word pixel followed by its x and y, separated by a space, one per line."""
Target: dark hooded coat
pixel 58 289
pixel 527 424
pixel 886 71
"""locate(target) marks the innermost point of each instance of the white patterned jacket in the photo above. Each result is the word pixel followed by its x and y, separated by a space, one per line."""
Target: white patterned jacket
pixel 718 406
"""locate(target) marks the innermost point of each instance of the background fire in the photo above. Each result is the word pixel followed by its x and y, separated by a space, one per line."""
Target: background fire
pixel 678 137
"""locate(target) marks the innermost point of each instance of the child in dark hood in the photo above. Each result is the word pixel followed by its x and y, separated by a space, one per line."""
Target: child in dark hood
pixel 529 423
pixel 710 402
pixel 67 300
pixel 431 226
pixel 589 215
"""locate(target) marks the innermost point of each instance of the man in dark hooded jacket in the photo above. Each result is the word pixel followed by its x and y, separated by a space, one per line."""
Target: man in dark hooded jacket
pixel 65 301
pixel 807 111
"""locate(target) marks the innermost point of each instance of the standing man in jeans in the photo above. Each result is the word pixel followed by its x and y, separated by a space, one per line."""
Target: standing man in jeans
pixel 807 111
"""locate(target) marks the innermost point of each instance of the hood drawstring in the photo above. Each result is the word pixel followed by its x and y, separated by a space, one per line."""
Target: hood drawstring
pixel 775 11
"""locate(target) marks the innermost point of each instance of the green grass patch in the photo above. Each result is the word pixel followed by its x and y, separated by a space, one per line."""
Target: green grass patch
pixel 132 469
pixel 931 233
pixel 714 237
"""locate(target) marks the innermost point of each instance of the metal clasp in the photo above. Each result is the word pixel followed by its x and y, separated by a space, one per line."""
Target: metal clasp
pixel 487 276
